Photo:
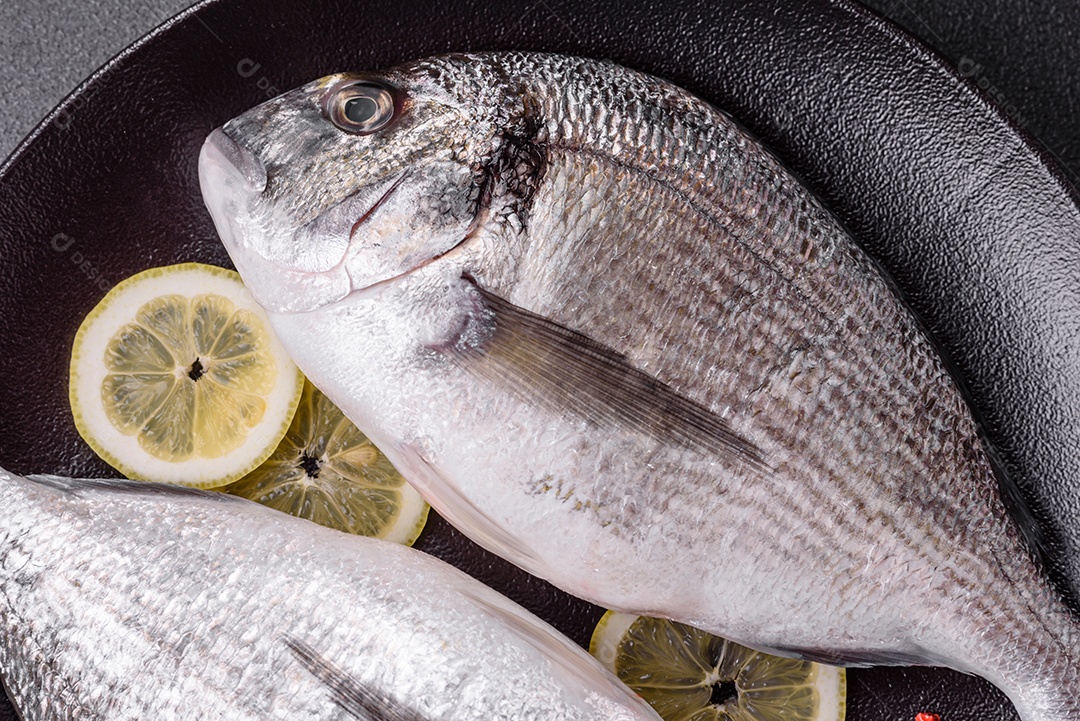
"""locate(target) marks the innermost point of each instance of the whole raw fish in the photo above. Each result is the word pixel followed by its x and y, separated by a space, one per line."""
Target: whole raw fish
pixel 128 600
pixel 612 339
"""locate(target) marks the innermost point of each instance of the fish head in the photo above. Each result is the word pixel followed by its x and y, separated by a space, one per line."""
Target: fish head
pixel 349 181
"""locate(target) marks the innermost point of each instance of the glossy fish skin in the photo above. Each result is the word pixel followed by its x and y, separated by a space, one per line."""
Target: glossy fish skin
pixel 646 335
pixel 127 600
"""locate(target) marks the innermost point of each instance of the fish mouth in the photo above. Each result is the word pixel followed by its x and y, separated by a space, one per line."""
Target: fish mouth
pixel 237 156
pixel 309 265
pixel 378 204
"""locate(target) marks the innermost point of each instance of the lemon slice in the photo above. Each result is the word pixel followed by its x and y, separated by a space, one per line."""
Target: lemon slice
pixel 689 675
pixel 177 377
pixel 327 471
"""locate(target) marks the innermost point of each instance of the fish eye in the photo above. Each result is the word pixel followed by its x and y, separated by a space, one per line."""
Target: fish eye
pixel 361 108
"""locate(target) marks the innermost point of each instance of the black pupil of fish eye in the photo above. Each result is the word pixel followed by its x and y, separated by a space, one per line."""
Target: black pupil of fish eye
pixel 361 109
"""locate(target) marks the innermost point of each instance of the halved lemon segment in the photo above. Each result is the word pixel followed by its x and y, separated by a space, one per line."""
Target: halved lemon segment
pixel 177 377
pixel 328 471
pixel 689 675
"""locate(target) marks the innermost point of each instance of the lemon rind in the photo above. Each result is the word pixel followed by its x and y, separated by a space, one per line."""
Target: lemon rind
pixel 116 309
pixel 832 687
pixel 607 635
pixel 412 518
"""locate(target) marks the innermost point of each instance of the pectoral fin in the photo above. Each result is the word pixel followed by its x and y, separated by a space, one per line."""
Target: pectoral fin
pixel 564 370
pixel 353 696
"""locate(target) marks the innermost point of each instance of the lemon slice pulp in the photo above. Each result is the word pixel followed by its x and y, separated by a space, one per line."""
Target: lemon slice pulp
pixel 689 675
pixel 328 471
pixel 177 377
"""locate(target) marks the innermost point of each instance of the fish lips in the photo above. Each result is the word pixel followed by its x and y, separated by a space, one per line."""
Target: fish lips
pixel 231 180
pixel 361 241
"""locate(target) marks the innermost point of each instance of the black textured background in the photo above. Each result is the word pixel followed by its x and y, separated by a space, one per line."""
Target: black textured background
pixel 981 238
pixel 1023 52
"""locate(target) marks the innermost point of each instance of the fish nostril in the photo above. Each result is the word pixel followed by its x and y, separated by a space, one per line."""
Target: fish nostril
pixel 241 158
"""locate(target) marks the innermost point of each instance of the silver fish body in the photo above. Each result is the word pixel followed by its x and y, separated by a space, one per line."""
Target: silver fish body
pixel 124 600
pixel 609 337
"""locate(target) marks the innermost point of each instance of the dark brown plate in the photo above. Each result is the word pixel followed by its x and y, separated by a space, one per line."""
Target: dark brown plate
pixel 978 229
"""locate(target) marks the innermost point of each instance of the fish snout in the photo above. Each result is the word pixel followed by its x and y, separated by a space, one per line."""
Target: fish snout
pixel 239 158
pixel 232 179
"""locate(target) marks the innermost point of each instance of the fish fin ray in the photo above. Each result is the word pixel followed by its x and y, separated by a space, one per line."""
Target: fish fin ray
pixel 80 486
pixel 452 505
pixel 549 642
pixel 854 658
pixel 353 696
pixel 1035 534
pixel 564 369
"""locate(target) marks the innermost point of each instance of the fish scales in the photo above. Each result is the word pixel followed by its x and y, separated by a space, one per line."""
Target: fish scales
pixel 886 379
pixel 136 601
pixel 664 332
pixel 621 320
pixel 849 510
pixel 616 312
